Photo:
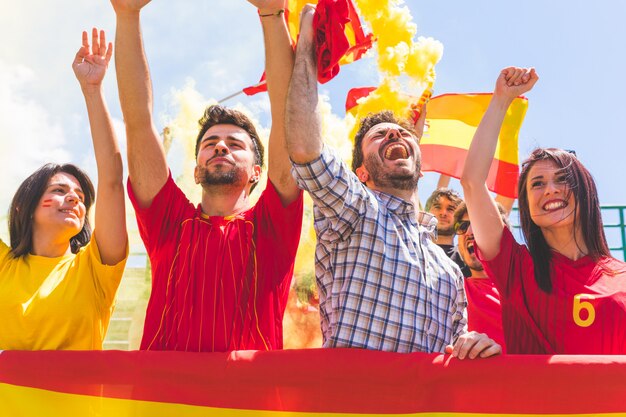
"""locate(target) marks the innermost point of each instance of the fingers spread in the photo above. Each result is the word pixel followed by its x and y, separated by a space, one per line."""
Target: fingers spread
pixel 109 53
pixel 103 44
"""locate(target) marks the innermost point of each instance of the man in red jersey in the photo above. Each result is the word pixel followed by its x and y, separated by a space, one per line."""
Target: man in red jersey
pixel 484 312
pixel 220 271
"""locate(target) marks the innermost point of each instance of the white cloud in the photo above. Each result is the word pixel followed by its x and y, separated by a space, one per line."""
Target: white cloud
pixel 29 136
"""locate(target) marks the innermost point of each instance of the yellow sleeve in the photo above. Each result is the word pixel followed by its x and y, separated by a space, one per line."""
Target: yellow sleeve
pixel 106 278
pixel 5 251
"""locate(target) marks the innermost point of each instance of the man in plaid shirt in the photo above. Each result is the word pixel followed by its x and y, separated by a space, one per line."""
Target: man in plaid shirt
pixel 383 283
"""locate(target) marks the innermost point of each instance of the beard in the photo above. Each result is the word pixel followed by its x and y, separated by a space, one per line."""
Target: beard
pixel 446 231
pixel 383 179
pixel 474 264
pixel 219 177
pixel 470 258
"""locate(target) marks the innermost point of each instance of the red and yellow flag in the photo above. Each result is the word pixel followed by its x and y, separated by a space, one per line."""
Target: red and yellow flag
pixel 307 383
pixel 452 120
pixel 340 37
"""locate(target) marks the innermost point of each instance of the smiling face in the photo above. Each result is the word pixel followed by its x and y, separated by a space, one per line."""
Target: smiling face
pixel 226 157
pixel 61 206
pixel 392 157
pixel 551 202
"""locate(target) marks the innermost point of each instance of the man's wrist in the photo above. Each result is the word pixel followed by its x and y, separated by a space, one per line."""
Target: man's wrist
pixel 271 13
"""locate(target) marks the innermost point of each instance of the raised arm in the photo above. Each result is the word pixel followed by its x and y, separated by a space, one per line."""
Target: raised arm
pixel 304 125
pixel 89 67
pixel 147 166
pixel 279 59
pixel 484 216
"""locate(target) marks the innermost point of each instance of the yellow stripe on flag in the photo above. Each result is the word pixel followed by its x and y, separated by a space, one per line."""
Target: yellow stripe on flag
pixel 27 402
pixel 453 118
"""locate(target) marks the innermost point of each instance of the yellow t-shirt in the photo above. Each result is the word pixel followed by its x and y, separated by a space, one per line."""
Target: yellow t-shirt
pixel 62 303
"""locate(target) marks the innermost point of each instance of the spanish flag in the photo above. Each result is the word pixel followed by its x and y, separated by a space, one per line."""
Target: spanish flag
pixel 340 38
pixel 451 121
pixel 307 383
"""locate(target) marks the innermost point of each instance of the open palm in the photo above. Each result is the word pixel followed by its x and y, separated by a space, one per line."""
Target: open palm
pixel 90 65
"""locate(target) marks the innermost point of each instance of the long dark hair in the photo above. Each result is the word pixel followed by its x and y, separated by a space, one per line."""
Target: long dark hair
pixel 586 204
pixel 27 198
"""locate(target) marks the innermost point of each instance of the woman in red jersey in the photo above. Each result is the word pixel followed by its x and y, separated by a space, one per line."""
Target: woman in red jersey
pixel 563 293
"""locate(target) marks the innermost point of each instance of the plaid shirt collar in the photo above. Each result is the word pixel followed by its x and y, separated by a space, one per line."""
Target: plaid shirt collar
pixel 400 207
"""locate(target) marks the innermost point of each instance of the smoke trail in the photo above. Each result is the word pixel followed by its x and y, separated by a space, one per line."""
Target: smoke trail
pixel 399 58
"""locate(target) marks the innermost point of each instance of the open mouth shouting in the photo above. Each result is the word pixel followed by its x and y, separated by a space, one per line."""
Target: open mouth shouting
pixel 394 150
pixel 470 246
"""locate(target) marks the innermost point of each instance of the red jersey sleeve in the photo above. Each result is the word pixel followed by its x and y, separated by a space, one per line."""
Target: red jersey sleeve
pixel 278 232
pixel 505 268
pixel 160 222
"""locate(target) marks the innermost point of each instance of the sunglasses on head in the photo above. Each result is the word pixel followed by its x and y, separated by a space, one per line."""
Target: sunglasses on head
pixel 461 227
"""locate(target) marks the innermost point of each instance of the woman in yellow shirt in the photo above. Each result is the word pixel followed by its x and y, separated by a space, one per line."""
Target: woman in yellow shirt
pixel 57 279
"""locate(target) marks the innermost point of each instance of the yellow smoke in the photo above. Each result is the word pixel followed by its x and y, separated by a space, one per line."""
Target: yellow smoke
pixel 398 55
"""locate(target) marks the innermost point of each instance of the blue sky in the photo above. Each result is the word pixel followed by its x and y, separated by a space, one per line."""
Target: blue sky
pixel 216 46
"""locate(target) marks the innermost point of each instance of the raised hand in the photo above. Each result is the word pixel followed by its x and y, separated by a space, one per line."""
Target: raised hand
pixel 90 65
pixel 124 6
pixel 307 34
pixel 514 81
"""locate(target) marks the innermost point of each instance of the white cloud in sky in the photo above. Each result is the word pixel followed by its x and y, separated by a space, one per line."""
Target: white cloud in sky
pixel 29 135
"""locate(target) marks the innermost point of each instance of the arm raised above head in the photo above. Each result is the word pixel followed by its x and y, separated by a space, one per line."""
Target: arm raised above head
pixel 279 58
pixel 484 215
pixel 304 126
pixel 90 65
pixel 147 165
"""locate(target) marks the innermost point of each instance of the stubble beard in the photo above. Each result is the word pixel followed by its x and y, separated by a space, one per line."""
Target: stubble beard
pixel 382 179
pixel 219 177
pixel 472 262
pixel 446 231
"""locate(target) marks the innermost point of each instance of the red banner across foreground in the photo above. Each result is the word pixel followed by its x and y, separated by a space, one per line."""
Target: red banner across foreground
pixel 313 382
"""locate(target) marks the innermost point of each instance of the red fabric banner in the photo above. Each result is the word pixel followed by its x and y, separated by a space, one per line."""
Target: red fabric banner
pixel 311 381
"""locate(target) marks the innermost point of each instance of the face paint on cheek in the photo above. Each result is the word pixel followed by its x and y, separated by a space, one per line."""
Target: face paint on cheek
pixel 46 203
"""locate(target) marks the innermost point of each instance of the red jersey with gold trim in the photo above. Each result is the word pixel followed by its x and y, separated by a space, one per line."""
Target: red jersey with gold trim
pixel 584 314
pixel 218 283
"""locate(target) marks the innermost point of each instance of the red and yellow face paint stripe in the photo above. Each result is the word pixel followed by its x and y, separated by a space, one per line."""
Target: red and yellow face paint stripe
pixel 315 383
